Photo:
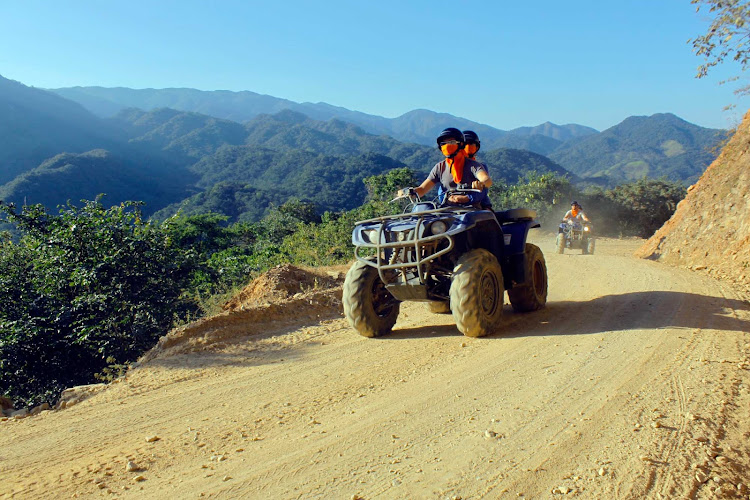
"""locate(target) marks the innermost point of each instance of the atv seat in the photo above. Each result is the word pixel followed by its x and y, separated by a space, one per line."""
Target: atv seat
pixel 515 215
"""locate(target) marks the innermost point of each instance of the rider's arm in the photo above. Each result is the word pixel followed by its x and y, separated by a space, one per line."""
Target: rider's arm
pixel 584 217
pixel 567 215
pixel 484 178
pixel 424 188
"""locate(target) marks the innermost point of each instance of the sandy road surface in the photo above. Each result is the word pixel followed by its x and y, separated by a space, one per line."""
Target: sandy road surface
pixel 632 383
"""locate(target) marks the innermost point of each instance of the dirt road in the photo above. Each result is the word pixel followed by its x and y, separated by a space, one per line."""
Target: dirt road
pixel 634 382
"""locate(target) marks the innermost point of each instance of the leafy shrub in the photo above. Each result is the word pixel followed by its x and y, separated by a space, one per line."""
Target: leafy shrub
pixel 645 205
pixel 81 291
pixel 330 242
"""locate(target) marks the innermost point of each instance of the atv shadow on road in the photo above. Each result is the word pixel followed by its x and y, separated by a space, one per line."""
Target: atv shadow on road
pixel 423 332
pixel 632 311
pixel 628 311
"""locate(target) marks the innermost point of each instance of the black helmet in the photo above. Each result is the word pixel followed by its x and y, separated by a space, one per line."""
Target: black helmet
pixel 575 204
pixel 450 134
pixel 471 137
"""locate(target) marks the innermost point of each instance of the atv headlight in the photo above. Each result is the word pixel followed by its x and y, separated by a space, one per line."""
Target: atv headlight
pixel 438 227
pixel 586 228
pixel 372 235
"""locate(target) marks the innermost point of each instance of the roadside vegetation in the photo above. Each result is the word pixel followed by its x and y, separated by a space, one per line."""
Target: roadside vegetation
pixel 89 289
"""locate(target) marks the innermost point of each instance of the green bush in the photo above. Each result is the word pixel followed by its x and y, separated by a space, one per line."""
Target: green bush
pixel 81 289
pixel 645 205
pixel 330 241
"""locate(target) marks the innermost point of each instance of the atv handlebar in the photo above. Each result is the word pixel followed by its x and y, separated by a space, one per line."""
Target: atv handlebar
pixel 465 187
pixel 409 193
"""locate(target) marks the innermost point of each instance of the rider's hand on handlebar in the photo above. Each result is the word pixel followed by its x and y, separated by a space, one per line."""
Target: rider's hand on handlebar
pixel 477 185
pixel 458 198
pixel 406 192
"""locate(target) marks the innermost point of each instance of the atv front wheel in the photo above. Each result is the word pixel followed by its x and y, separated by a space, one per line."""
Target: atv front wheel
pixel 532 295
pixel 591 246
pixel 369 307
pixel 560 242
pixel 477 293
pixel 442 307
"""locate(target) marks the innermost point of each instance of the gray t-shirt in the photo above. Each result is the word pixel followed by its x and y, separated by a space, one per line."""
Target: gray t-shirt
pixel 442 176
pixel 441 173
pixel 569 215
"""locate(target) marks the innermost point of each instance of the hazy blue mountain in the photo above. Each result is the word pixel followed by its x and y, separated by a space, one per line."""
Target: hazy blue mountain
pixel 420 126
pixel 235 106
pixel 561 133
pixel 654 146
pixel 36 124
pixel 540 144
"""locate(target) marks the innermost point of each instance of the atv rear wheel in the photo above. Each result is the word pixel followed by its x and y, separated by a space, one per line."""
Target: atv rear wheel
pixel 532 295
pixel 442 307
pixel 369 307
pixel 591 246
pixel 477 293
pixel 560 242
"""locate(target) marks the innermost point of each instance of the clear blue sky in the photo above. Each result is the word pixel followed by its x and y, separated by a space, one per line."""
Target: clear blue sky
pixel 506 64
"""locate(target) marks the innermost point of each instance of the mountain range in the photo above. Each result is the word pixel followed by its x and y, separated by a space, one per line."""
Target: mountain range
pixel 53 149
pixel 420 125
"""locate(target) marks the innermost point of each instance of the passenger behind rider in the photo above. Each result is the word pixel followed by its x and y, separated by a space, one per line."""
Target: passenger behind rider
pixel 456 169
pixel 575 212
pixel 471 139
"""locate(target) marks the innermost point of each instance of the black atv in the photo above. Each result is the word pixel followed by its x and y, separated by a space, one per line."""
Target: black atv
pixel 459 258
pixel 575 234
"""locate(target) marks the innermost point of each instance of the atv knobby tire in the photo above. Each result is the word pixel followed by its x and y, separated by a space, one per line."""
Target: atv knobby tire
pixel 560 242
pixel 369 307
pixel 443 307
pixel 590 247
pixel 532 295
pixel 477 293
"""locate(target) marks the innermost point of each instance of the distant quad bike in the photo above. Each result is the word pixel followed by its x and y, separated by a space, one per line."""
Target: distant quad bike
pixel 574 234
pixel 460 259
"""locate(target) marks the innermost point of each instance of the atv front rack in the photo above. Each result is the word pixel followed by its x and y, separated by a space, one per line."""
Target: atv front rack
pixel 408 255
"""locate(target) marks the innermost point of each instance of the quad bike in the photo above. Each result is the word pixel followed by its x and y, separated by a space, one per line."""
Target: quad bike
pixel 458 258
pixel 574 234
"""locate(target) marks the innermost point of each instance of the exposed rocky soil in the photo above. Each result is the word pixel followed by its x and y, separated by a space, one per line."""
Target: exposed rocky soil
pixel 710 230
pixel 282 283
pixel 634 382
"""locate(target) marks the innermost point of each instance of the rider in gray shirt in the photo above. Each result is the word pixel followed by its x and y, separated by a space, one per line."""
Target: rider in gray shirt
pixel 456 169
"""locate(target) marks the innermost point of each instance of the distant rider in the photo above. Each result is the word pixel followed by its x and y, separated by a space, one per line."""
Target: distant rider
pixel 456 169
pixel 575 213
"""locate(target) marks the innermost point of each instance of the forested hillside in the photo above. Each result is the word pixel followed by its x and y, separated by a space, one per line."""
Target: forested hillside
pixel 171 158
pixel 653 146
pixel 83 176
